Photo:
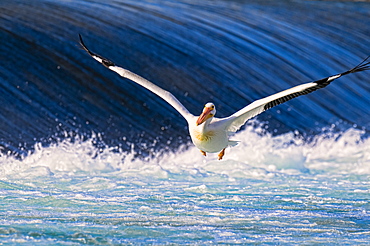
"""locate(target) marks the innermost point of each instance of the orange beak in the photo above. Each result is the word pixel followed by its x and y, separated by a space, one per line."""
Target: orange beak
pixel 204 116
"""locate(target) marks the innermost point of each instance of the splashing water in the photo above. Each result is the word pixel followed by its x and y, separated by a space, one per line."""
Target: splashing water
pixel 270 189
pixel 345 152
pixel 267 189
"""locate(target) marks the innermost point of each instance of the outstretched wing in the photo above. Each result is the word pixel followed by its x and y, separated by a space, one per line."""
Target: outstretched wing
pixel 235 121
pixel 165 95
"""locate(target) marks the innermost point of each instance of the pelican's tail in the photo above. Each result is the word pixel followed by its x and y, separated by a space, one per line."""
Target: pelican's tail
pixel 233 143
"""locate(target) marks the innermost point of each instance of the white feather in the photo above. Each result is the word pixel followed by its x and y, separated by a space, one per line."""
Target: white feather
pixel 212 135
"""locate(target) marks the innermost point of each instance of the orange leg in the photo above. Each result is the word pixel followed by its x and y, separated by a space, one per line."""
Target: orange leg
pixel 204 153
pixel 221 154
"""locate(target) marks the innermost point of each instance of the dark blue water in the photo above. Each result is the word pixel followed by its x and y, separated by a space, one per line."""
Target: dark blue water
pixel 71 129
pixel 228 52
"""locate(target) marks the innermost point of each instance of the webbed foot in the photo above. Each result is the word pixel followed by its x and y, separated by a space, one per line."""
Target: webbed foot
pixel 221 154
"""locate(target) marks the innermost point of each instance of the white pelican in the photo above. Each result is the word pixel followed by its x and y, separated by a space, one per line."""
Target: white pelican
pixel 211 134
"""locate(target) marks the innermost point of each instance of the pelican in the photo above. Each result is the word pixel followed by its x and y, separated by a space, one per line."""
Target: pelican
pixel 208 133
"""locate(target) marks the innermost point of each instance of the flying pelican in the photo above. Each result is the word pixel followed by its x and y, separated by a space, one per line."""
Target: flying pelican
pixel 208 133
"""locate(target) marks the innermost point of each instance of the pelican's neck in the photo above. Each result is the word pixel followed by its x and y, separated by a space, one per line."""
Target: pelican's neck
pixel 204 126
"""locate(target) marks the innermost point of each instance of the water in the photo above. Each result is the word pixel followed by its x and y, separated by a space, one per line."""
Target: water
pixel 288 192
pixel 89 158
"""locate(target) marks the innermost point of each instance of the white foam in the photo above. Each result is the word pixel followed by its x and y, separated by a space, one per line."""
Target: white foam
pixel 257 155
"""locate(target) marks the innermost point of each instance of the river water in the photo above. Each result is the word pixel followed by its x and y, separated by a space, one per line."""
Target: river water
pixel 90 158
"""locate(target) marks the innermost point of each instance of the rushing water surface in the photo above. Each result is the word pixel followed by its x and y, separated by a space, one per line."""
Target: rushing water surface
pixel 90 158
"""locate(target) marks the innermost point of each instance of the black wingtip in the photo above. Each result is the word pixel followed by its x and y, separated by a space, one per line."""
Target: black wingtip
pixel 363 66
pixel 84 46
pixel 104 61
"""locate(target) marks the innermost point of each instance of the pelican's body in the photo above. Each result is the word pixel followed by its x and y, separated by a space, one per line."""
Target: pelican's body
pixel 209 137
pixel 210 134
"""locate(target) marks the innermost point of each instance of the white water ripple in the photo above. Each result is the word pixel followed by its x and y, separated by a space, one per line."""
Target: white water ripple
pixel 272 189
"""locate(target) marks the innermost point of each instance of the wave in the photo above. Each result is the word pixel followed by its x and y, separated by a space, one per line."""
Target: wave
pixel 259 156
pixel 228 52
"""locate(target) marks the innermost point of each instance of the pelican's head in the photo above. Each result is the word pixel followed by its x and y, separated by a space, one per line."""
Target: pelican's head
pixel 209 111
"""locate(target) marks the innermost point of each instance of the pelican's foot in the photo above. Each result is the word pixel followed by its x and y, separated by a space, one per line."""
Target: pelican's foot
pixel 204 153
pixel 221 154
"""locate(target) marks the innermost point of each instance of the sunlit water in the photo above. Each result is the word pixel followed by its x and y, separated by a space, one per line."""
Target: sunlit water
pixel 87 157
pixel 267 190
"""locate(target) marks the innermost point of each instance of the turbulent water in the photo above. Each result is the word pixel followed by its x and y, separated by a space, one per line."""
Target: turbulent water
pixel 277 190
pixel 89 158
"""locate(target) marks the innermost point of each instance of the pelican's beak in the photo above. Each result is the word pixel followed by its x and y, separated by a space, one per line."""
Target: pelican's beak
pixel 206 114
